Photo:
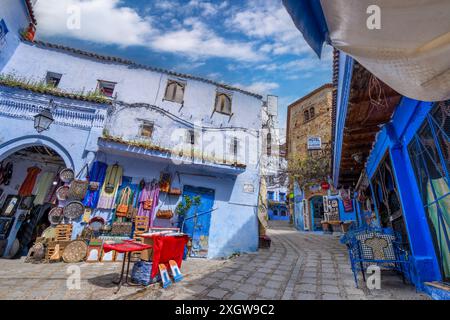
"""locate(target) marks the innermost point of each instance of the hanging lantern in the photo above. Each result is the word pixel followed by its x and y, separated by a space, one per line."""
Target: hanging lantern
pixel 43 120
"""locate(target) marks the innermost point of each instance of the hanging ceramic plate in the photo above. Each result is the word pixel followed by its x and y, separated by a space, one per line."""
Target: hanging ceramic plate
pixel 75 251
pixel 73 210
pixel 67 175
pixel 56 215
pixel 49 233
pixel 62 193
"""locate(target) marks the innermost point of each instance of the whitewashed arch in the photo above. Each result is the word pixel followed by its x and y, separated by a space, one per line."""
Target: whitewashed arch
pixel 11 146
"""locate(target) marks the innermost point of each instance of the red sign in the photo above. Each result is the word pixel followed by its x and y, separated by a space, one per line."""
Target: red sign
pixel 325 186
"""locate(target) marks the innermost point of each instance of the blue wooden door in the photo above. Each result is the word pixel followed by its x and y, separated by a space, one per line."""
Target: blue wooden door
pixel 198 219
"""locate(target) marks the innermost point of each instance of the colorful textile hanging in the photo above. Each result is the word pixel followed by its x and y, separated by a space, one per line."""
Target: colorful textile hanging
pixel 150 194
pixel 97 177
pixel 111 184
pixel 42 187
pixel 27 186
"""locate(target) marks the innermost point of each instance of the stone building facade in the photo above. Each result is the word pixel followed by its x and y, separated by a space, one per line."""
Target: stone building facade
pixel 309 126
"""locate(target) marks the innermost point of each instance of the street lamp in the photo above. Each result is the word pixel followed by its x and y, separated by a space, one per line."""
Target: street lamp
pixel 44 119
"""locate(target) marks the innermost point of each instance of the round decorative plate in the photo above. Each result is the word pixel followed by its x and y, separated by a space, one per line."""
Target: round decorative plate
pixel 56 215
pixel 73 210
pixel 62 193
pixel 67 175
pixel 49 233
pixel 75 251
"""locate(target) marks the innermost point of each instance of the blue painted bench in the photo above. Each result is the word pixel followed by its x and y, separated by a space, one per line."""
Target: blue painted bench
pixel 376 246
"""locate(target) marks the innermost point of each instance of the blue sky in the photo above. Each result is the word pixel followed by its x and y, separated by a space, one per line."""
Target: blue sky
pixel 250 44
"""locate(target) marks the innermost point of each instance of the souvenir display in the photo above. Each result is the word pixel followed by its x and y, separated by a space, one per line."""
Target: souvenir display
pixel 121 228
pixel 49 233
pixel 6 173
pixel 63 232
pixel 75 251
pixel 96 223
pixel 10 205
pixel 164 182
pixel 42 187
pixel 73 210
pixel 94 253
pixel 67 175
pixel 164 214
pixel 36 253
pixel 26 189
pixel 123 205
pixel 56 215
pixel 62 193
pixel 96 176
pixel 110 186
pixel 78 187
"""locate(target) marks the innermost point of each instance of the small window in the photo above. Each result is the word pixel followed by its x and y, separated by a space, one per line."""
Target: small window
pixel 311 113
pixel 174 91
pixel 235 147
pixel 190 137
pixel 270 195
pixel 282 196
pixel 306 115
pixel 269 144
pixel 146 129
pixel 106 88
pixel 52 79
pixel 223 103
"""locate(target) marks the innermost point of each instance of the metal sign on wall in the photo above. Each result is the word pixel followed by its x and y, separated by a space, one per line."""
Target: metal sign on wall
pixel 314 143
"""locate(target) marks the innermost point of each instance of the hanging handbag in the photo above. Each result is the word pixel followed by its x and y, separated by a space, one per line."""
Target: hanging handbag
pixel 123 206
pixel 94 185
pixel 164 214
pixel 111 181
pixel 78 188
pixel 147 204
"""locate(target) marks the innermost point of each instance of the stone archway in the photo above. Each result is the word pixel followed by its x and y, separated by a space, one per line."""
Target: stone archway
pixel 10 147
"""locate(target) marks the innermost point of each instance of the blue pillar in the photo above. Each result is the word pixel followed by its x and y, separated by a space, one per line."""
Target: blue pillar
pixel 421 243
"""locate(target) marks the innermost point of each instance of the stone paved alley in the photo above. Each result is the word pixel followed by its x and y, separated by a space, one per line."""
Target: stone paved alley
pixel 298 265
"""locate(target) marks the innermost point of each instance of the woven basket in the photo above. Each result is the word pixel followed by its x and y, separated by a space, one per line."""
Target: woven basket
pixel 75 251
pixel 62 193
pixel 67 175
pixel 73 210
pixel 56 215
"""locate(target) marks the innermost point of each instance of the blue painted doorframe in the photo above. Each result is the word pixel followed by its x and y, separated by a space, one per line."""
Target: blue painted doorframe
pixel 395 137
pixel 198 219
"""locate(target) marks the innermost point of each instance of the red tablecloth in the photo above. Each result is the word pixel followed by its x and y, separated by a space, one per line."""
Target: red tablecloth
pixel 128 246
pixel 166 248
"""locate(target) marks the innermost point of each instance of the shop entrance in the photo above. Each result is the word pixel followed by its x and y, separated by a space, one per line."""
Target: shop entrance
pixel 317 212
pixel 198 219
pixel 28 181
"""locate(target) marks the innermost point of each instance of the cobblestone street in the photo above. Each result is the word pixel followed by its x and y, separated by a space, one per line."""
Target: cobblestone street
pixel 298 265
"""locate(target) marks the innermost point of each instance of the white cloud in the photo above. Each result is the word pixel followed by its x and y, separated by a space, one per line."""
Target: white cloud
pixel 260 87
pixel 102 21
pixel 268 20
pixel 107 22
pixel 196 39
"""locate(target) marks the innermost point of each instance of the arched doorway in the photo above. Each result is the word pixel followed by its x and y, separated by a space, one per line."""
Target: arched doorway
pixel 28 181
pixel 317 212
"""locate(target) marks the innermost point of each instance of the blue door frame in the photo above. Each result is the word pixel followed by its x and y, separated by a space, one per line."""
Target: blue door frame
pixel 197 220
pixel 394 138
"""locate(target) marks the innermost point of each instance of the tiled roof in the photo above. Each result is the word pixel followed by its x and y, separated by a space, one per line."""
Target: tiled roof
pixel 134 64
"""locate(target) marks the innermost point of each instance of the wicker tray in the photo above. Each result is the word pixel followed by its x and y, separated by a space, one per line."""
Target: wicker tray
pixel 75 251
pixel 62 193
pixel 63 232
pixel 56 215
pixel 73 210
pixel 67 175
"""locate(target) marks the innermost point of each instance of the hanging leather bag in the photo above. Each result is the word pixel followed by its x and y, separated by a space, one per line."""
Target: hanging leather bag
pixel 164 214
pixel 123 206
pixel 110 182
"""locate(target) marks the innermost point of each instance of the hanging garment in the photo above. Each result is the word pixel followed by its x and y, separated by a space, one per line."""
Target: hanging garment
pixel 112 182
pixel 42 187
pixel 97 177
pixel 148 201
pixel 27 186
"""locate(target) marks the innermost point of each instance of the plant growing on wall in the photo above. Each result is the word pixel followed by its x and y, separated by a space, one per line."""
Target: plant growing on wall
pixel 184 206
pixel 310 168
